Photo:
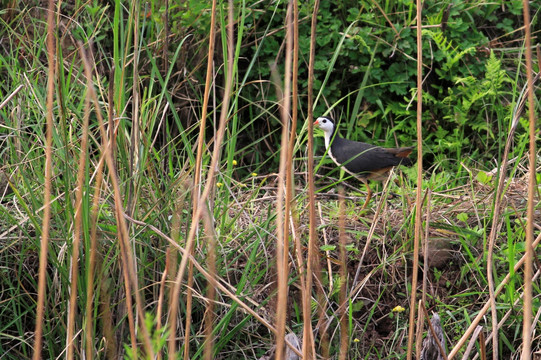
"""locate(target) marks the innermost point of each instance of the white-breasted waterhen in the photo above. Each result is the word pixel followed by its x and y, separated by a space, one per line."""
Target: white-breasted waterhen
pixel 363 161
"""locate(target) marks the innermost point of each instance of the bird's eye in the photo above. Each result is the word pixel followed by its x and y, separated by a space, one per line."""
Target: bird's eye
pixel 324 121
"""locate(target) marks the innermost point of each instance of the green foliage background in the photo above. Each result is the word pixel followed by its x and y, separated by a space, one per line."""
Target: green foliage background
pixel 365 71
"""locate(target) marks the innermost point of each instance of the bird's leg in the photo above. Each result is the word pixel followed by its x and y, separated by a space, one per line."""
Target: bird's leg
pixel 368 194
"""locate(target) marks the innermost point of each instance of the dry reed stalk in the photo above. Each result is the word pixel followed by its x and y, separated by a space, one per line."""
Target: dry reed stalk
pixel 482 346
pixel 290 195
pixel 294 109
pixel 215 158
pixel 282 232
pixel 110 340
pixel 418 200
pixel 11 96
pixel 44 243
pixel 207 219
pixel 228 292
pixel 308 344
pixel 161 296
pixel 508 314
pixel 484 309
pixel 425 271
pixel 77 229
pixel 127 260
pixel 419 332
pixel 92 261
pixel 528 267
pixel 490 271
pixel 211 287
pixel 135 129
pixel 173 299
pixel 343 354
pixel 472 342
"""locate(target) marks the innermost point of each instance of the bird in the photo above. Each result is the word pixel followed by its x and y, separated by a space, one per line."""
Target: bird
pixel 363 161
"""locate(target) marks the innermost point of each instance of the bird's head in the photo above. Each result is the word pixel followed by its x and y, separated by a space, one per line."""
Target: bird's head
pixel 325 123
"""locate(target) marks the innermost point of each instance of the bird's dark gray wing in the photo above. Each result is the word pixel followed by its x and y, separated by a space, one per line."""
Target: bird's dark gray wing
pixel 358 157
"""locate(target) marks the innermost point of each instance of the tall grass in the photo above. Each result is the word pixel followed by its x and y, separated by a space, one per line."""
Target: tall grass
pixel 159 210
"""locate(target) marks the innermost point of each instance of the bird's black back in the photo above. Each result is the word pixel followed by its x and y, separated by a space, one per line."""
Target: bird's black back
pixel 361 158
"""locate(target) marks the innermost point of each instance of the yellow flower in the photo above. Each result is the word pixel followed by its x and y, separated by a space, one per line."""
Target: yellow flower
pixel 398 309
pixel 234 162
pixel 219 185
pixel 254 174
pixel 356 340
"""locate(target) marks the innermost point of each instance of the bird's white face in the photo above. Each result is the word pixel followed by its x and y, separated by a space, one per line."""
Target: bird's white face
pixel 325 124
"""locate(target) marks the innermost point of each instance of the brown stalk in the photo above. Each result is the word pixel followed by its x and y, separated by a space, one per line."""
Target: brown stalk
pixel 344 338
pixel 282 228
pixel 110 340
pixel 211 265
pixel 216 154
pixel 490 270
pixel 482 346
pixel 418 343
pixel 419 332
pixel 418 201
pixel 92 262
pixel 294 116
pixel 127 260
pixel 507 315
pixel 207 219
pixel 485 308
pixel 291 205
pixel 206 274
pixel 133 183
pixel 528 267
pixel 203 122
pixel 196 191
pixel 44 243
pixel 308 345
pixel 476 335
pixel 74 273
pixel 497 209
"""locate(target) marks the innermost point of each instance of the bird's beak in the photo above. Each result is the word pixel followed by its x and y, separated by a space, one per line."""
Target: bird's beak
pixel 316 122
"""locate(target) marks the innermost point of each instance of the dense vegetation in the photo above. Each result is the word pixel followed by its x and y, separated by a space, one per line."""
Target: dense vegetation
pixel 149 68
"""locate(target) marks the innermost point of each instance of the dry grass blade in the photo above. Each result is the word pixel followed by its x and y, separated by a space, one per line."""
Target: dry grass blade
pixel 216 154
pixel 230 293
pixel 92 264
pixel 133 184
pixel 478 332
pixel 173 299
pixel 197 188
pixel 528 267
pixel 418 202
pixel 77 230
pixel 128 264
pixel 207 219
pixel 282 233
pixel 308 345
pixel 40 306
pixel 485 308
pixel 197 185
pixel 211 287
pixel 10 96
pixel 343 278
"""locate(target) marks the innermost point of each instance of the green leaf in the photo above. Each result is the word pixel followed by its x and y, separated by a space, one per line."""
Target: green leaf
pixel 328 247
